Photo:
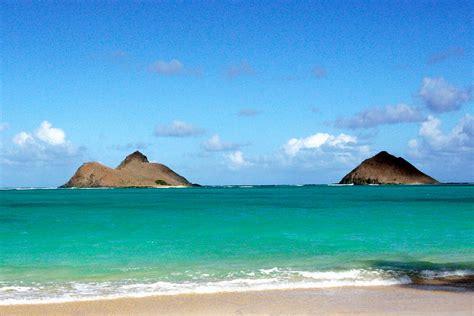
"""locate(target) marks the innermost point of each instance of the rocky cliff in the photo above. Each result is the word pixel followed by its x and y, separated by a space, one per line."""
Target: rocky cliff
pixel 134 171
pixel 385 168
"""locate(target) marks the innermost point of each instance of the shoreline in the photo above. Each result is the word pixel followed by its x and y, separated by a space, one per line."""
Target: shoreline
pixel 453 282
pixel 374 300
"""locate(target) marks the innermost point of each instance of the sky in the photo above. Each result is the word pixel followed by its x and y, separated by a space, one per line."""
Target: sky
pixel 267 92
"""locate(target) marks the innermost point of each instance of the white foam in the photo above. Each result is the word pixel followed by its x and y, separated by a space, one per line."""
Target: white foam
pixel 15 288
pixel 28 188
pixel 442 274
pixel 269 279
pixel 269 271
pixel 330 275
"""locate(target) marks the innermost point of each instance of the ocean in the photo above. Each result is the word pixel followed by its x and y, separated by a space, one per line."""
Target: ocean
pixel 60 245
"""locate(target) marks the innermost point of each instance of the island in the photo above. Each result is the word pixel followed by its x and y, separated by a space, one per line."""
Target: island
pixel 385 168
pixel 135 171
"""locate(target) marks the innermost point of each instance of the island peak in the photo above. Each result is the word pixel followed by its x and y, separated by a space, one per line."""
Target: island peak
pixel 134 171
pixel 383 154
pixel 135 156
pixel 384 168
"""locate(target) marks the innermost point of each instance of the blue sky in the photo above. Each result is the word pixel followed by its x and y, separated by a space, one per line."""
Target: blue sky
pixel 236 92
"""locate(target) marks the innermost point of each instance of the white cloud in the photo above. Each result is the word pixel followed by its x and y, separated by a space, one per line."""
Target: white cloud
pixel 333 155
pixel 50 135
pixel 215 143
pixel 390 114
pixel 47 145
pixel 449 154
pixel 319 151
pixel 237 160
pixel 431 138
pixel 172 67
pixel 316 141
pixel 178 129
pixel 440 96
pixel 22 138
pixel 244 68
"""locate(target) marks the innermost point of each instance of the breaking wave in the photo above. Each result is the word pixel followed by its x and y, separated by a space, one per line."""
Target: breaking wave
pixel 259 280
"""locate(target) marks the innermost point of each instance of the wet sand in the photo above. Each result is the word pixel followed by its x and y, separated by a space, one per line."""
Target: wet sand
pixel 390 300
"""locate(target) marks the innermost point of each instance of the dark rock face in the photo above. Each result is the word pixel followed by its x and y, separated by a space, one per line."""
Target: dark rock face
pixel 135 171
pixel 385 168
pixel 136 156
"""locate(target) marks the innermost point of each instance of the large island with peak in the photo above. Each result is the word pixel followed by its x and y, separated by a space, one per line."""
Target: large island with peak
pixel 385 168
pixel 133 172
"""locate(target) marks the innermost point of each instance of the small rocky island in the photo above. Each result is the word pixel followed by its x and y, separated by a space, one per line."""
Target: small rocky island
pixel 134 172
pixel 385 168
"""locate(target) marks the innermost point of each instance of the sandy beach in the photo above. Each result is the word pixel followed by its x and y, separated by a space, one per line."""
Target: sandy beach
pixel 392 300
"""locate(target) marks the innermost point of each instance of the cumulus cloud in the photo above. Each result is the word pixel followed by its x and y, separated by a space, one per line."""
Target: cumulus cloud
pixel 445 54
pixel 22 139
pixel 317 141
pixel 237 70
pixel 390 114
pixel 431 139
pixel 215 143
pixel 47 144
pixel 178 129
pixel 236 160
pixel 248 112
pixel 451 153
pixel 312 152
pixel 319 72
pixel 50 135
pixel 333 153
pixel 440 96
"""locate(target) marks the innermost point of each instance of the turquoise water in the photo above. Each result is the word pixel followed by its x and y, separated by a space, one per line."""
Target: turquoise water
pixel 66 244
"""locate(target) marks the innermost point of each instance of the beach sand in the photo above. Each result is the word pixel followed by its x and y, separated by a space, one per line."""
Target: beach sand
pixel 391 300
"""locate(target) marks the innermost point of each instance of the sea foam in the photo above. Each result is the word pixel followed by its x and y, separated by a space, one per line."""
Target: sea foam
pixel 263 279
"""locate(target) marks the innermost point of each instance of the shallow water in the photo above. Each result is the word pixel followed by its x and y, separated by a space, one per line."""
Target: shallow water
pixel 66 244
